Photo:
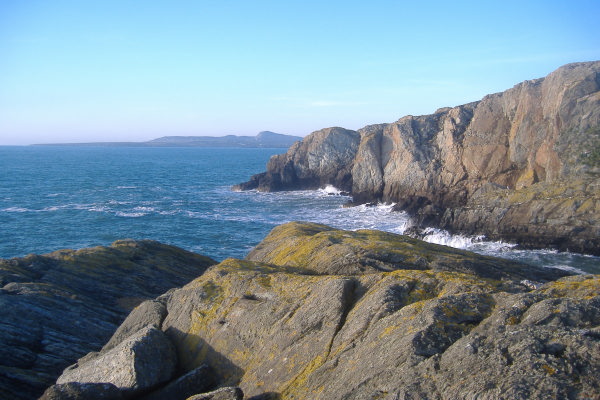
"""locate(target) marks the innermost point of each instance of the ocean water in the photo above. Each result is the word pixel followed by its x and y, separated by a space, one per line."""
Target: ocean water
pixel 73 197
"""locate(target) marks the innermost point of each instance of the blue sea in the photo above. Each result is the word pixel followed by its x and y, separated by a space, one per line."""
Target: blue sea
pixel 59 197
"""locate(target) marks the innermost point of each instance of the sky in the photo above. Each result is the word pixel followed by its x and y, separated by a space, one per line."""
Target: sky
pixel 121 70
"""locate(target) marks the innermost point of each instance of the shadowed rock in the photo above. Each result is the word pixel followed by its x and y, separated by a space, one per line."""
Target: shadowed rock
pixel 60 306
pixel 82 391
pixel 196 381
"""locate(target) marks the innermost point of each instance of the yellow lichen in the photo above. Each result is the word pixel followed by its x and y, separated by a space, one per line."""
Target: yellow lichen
pixel 548 369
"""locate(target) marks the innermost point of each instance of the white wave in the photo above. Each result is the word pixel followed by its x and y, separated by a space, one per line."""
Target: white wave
pixel 17 209
pixel 567 268
pixel 144 209
pixel 118 202
pixel 317 206
pixel 130 214
pixel 170 212
pixel 98 209
pixel 380 216
pixel 473 243
pixel 126 187
pixel 78 206
pixel 330 190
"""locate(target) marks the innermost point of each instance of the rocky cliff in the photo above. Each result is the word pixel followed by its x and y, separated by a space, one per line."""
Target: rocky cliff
pixel 521 165
pixel 60 306
pixel 319 313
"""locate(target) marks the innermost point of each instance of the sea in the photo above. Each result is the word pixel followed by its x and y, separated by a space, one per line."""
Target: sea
pixel 57 197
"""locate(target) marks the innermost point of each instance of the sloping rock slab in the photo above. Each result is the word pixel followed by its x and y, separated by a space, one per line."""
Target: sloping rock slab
pixel 285 329
pixel 139 363
pixel 326 250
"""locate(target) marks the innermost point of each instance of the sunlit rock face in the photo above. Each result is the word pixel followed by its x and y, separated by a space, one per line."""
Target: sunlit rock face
pixel 320 313
pixel 515 165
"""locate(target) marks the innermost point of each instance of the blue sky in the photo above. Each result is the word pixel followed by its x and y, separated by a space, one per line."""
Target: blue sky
pixel 78 71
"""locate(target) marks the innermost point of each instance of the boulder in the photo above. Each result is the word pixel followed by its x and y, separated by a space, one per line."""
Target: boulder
pixel 148 313
pixel 141 362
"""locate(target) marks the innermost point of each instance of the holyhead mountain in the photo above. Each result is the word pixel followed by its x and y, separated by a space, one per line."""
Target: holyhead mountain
pixel 521 165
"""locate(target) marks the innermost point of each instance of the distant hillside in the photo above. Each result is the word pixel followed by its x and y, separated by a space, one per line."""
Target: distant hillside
pixel 263 139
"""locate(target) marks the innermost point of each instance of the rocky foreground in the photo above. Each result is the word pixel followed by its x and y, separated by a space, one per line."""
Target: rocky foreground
pixel 319 313
pixel 521 166
pixel 60 306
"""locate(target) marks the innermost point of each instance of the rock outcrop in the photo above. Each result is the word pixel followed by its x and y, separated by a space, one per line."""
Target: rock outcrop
pixel 59 306
pixel 521 165
pixel 319 313
pixel 324 158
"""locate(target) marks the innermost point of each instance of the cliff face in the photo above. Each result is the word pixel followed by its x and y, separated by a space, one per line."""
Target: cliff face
pixel 60 306
pixel 319 313
pixel 438 166
pixel 325 158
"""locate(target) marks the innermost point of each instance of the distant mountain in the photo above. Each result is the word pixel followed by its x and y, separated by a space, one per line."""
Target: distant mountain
pixel 263 139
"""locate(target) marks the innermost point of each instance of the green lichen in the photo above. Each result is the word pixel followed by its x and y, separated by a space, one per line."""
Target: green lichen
pixel 580 287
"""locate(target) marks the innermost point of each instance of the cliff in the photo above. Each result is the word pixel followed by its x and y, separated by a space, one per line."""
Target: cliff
pixel 60 306
pixel 319 313
pixel 521 165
